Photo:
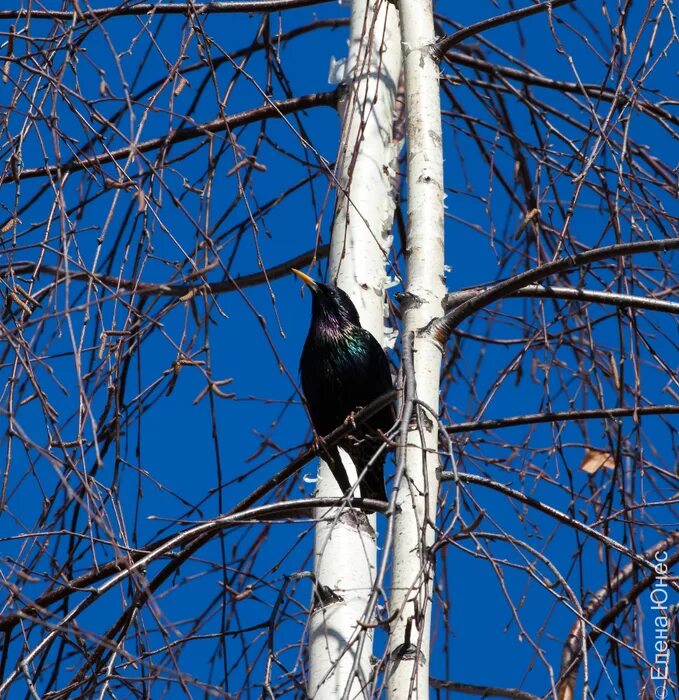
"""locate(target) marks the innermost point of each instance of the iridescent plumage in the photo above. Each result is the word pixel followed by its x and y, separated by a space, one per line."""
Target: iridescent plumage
pixel 344 368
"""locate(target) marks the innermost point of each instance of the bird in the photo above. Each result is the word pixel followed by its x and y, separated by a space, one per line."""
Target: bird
pixel 344 368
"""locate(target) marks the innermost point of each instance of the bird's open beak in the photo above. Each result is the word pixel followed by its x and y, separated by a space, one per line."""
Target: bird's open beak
pixel 306 279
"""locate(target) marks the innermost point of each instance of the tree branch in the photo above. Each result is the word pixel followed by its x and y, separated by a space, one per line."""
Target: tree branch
pixel 441 328
pixel 126 563
pixel 484 691
pixel 143 289
pixel 571 656
pixel 192 539
pixel 170 8
pixel 558 416
pixel 539 291
pixel 592 90
pixel 446 42
pixel 267 111
pixel 553 513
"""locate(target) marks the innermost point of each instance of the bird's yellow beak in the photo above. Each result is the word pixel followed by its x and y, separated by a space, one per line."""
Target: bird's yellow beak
pixel 305 278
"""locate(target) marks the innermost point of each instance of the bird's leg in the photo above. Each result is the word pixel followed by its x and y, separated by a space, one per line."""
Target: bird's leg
pixel 351 418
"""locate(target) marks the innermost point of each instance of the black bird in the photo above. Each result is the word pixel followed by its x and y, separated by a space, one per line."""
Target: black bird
pixel 344 368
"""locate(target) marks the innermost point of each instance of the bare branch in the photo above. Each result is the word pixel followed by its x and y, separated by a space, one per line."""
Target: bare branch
pixel 169 8
pixel 559 416
pixel 442 327
pixel 447 42
pixel 271 110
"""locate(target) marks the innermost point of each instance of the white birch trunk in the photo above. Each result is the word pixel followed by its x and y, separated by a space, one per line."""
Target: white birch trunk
pixel 411 594
pixel 345 553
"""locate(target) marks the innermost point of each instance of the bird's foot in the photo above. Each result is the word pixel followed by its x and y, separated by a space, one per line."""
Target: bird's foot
pixel 351 418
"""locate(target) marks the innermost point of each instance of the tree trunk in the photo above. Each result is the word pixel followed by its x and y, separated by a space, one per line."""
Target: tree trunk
pixel 417 477
pixel 345 548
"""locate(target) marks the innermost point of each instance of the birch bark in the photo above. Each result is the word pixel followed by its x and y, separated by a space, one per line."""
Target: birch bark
pixel 345 548
pixel 414 518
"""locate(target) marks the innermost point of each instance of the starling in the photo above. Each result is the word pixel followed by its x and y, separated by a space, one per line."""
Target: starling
pixel 343 368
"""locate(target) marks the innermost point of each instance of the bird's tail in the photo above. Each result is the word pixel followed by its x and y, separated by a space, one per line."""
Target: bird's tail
pixel 372 484
pixel 363 452
pixel 334 462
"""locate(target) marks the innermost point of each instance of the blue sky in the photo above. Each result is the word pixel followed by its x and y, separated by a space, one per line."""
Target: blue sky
pixel 169 460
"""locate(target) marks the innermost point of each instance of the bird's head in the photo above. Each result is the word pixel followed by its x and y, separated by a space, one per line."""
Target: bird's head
pixel 330 305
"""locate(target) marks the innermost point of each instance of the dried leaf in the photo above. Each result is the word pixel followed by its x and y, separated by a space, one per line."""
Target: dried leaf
pixel 189 295
pixel 20 302
pixel 12 222
pixel 181 84
pixel 595 460
pixel 613 363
